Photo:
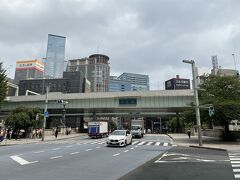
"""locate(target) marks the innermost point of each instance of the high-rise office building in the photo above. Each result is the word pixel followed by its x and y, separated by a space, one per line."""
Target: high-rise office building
pixel 177 83
pixel 95 69
pixel 54 63
pixel 139 82
pixel 28 69
pixel 117 85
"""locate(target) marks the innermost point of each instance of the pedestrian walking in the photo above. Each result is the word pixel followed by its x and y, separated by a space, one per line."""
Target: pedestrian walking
pixel 189 133
pixel 56 133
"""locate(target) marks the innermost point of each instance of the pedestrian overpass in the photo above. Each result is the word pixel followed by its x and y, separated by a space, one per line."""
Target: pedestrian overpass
pixel 132 104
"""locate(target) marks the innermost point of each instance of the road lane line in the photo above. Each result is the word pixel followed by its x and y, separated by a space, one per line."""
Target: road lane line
pixel 126 151
pixel 98 147
pixel 39 152
pixel 68 146
pixel 116 154
pixel 102 142
pixel 157 143
pixel 55 157
pixel 88 149
pixel 21 160
pixel 56 149
pixel 74 153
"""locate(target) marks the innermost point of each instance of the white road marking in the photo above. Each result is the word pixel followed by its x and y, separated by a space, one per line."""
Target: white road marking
pixel 39 152
pixel 236 170
pixel 126 151
pixel 165 144
pixel 102 142
pixel 237 175
pixel 88 149
pixel 132 148
pixel 235 165
pixel 116 154
pixel 68 146
pixel 235 159
pixel 98 147
pixel 74 153
pixel 157 143
pixel 148 144
pixel 56 149
pixel 135 142
pixel 55 157
pixel 136 146
pixel 235 162
pixel 21 160
pixel 141 143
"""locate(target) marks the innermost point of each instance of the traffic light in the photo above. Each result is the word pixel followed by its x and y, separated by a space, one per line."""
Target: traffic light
pixel 211 111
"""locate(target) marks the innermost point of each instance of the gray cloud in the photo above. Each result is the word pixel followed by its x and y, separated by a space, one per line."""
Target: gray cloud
pixel 139 36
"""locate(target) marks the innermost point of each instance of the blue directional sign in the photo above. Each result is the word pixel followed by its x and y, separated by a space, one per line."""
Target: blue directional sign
pixel 46 114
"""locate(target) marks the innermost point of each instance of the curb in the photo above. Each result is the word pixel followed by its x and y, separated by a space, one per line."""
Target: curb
pixel 170 137
pixel 32 142
pixel 204 147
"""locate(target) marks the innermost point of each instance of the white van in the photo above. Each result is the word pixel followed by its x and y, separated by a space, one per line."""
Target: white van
pixel 234 125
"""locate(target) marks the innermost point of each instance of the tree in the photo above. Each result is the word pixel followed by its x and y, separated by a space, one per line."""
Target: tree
pixel 3 84
pixel 224 94
pixel 23 118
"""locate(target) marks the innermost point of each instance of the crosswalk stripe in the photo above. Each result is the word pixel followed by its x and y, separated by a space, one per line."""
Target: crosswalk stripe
pixel 157 143
pixel 141 143
pixel 235 159
pixel 237 175
pixel 235 162
pixel 135 142
pixel 165 144
pixel 236 170
pixel 235 165
pixel 149 143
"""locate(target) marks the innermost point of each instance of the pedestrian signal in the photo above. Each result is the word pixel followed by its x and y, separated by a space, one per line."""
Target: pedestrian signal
pixel 211 111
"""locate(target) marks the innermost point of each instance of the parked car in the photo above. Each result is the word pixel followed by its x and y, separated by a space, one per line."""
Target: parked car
pixel 119 138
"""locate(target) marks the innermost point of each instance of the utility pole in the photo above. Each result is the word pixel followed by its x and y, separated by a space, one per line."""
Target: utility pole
pixel 192 62
pixel 45 113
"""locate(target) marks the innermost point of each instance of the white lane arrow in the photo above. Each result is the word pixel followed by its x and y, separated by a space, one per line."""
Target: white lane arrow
pixel 21 160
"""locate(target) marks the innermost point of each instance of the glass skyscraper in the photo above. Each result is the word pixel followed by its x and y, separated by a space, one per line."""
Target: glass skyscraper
pixel 139 82
pixel 54 64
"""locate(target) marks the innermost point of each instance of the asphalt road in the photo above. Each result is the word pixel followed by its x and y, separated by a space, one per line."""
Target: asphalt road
pixel 78 158
pixel 183 163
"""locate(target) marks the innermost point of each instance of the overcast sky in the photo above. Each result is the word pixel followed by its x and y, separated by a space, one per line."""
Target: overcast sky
pixel 149 37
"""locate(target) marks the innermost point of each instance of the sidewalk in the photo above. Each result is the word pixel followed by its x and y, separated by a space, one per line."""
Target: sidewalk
pixel 39 140
pixel 208 142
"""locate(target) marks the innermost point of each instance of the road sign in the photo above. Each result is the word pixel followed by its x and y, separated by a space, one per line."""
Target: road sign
pixel 46 114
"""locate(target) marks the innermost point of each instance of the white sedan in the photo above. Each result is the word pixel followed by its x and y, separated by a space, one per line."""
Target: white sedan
pixel 119 138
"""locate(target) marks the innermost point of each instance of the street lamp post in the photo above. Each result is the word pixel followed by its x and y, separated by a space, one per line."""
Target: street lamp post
pixel 45 113
pixel 192 62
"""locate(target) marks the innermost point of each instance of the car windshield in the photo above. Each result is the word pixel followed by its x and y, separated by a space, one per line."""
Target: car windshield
pixel 135 127
pixel 118 133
